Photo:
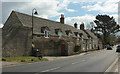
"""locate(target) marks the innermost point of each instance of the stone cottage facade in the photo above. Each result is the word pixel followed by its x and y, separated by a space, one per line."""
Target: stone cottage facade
pixel 50 37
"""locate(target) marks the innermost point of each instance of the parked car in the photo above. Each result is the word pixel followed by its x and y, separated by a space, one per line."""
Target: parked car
pixel 118 48
pixel 109 48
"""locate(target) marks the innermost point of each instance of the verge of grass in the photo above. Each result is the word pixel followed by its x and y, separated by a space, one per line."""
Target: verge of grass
pixel 26 58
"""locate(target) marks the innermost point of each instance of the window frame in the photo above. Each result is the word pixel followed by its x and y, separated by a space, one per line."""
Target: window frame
pixel 38 36
pixel 46 33
pixel 70 34
pixel 60 34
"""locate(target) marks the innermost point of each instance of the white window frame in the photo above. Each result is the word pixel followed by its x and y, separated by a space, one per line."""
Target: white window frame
pixel 90 46
pixel 70 34
pixel 82 37
pixel 60 34
pixel 48 34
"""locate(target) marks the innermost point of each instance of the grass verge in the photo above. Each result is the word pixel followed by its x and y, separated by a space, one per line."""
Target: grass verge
pixel 23 58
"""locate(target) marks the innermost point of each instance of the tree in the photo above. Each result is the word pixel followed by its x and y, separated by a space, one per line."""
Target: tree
pixel 90 25
pixel 107 26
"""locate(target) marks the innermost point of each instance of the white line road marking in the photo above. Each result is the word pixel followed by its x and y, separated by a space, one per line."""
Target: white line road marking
pixel 77 62
pixel 74 62
pixel 83 60
pixel 50 69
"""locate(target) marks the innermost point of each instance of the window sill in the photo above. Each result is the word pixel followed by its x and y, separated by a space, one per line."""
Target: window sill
pixel 46 37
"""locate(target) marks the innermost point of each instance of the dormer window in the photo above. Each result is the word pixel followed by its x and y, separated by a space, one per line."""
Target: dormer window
pixel 44 28
pixel 81 36
pixel 78 37
pixel 58 32
pixel 47 34
pixel 70 34
pixel 46 31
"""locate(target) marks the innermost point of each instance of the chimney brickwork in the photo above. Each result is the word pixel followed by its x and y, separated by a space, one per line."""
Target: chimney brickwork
pixel 62 19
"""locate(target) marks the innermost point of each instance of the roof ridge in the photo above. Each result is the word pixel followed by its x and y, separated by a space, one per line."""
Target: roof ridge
pixel 42 18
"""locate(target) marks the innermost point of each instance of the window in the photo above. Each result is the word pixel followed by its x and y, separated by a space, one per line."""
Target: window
pixel 70 34
pixel 83 46
pixel 47 34
pixel 38 36
pixel 78 36
pixel 82 37
pixel 90 46
pixel 59 33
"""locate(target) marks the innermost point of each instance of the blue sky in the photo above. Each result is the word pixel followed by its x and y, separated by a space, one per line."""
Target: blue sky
pixel 74 10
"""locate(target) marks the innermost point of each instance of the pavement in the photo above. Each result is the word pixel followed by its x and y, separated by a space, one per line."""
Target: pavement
pixel 97 61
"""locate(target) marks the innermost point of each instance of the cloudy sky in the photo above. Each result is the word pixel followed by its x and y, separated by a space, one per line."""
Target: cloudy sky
pixel 73 10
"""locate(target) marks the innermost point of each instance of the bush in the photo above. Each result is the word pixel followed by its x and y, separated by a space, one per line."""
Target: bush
pixel 77 48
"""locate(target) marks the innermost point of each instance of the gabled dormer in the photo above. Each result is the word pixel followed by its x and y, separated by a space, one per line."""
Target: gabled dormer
pixel 58 32
pixel 69 33
pixel 46 31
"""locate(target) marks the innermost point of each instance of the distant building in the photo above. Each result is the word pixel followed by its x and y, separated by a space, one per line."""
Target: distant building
pixel 50 37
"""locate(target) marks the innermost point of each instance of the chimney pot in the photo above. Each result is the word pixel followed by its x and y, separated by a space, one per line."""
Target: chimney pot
pixel 82 26
pixel 62 19
pixel 75 25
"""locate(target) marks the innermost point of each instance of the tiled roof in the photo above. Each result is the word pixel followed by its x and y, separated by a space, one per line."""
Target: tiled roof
pixel 38 22
pixel 91 34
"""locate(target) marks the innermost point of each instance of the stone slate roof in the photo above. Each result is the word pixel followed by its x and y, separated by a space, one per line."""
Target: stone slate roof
pixel 91 34
pixel 38 23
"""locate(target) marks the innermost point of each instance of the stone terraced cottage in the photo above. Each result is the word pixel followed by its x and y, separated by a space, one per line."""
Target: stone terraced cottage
pixel 50 37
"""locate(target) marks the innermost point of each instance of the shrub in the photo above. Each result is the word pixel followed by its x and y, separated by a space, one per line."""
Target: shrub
pixel 77 47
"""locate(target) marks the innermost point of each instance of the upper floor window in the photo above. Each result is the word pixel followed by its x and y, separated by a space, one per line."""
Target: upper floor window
pixel 78 37
pixel 59 33
pixel 47 34
pixel 81 36
pixel 70 34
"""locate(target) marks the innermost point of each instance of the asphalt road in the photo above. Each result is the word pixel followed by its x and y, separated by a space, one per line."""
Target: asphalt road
pixel 96 61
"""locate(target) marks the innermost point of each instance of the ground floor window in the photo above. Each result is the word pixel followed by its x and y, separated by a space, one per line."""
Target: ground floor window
pixel 83 46
pixel 90 46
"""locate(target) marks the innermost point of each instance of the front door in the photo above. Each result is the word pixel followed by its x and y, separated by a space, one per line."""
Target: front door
pixel 63 49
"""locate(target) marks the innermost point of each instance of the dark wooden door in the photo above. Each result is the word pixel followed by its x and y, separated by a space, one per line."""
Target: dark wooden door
pixel 63 49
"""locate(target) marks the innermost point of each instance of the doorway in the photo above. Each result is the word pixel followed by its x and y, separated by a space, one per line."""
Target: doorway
pixel 63 49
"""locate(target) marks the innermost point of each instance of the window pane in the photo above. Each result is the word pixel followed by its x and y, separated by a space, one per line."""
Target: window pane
pixel 48 34
pixel 70 34
pixel 59 33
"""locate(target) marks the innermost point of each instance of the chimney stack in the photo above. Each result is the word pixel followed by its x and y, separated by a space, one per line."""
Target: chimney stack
pixel 82 26
pixel 62 19
pixel 75 25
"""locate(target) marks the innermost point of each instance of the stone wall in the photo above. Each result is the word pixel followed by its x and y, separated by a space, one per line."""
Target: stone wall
pixel 18 44
pixel 52 46
pixel 16 39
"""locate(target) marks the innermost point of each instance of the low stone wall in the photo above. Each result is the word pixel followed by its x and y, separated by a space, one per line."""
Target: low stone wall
pixel 52 46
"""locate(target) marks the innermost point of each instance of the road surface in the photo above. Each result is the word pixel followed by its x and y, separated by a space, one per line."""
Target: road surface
pixel 96 61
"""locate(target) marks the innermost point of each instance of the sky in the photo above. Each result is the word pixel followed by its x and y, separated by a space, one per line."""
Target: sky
pixel 74 10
